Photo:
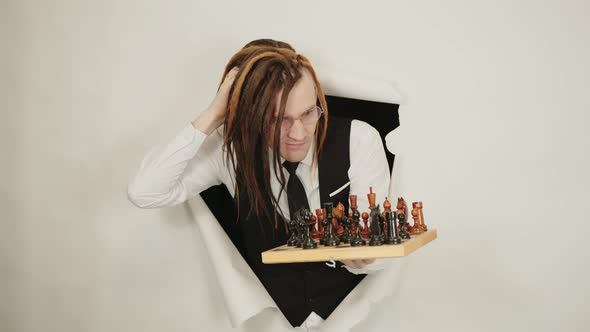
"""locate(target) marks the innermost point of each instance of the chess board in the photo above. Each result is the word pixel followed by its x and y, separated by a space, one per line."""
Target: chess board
pixel 287 254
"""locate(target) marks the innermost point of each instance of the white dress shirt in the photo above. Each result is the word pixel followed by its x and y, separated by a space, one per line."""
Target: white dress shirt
pixel 191 162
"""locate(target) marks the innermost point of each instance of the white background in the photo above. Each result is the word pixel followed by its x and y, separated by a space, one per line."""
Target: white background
pixel 497 103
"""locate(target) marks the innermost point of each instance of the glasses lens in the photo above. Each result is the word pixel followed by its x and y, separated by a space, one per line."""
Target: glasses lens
pixel 312 115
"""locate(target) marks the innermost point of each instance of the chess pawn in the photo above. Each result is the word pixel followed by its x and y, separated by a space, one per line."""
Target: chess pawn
pixel 356 239
pixel 365 231
pixel 403 232
pixel 308 242
pixel 331 240
pixel 416 229
pixel 421 216
pixel 392 236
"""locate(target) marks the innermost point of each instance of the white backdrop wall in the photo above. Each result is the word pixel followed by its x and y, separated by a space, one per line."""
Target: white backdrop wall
pixel 493 138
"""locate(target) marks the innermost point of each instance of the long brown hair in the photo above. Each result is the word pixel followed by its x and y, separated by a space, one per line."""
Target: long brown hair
pixel 266 68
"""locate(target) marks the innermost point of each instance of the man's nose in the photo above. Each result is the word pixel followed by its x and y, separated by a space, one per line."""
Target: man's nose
pixel 297 131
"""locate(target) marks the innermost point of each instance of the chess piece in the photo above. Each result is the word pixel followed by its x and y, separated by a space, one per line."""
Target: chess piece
pixel 416 229
pixel 392 236
pixel 356 239
pixel 401 207
pixel 353 226
pixel 308 242
pixel 422 224
pixel 376 230
pixel 371 196
pixel 386 208
pixel 315 233
pixel 292 241
pixel 320 213
pixel 331 240
pixel 339 214
pixel 301 226
pixel 365 233
pixel 347 233
pixel 403 226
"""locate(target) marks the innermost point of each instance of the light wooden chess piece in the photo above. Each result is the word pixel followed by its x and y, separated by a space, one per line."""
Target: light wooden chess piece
pixel 365 232
pixel 320 213
pixel 315 234
pixel 416 228
pixel 339 219
pixel 419 205
pixel 372 197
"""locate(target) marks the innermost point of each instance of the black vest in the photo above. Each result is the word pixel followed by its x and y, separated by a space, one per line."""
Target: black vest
pixel 300 288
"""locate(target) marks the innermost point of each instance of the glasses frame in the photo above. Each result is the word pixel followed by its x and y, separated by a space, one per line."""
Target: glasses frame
pixel 292 122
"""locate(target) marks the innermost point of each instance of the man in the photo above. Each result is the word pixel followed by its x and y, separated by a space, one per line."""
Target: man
pixel 268 138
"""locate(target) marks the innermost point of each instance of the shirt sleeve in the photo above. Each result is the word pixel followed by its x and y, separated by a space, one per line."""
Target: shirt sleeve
pixel 174 172
pixel 368 168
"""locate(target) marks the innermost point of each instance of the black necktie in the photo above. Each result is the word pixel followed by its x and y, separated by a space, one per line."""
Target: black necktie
pixel 295 192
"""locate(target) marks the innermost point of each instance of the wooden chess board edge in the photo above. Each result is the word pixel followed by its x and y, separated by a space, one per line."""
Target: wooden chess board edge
pixel 285 254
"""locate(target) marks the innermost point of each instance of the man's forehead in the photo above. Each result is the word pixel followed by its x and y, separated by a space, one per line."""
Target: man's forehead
pixel 302 97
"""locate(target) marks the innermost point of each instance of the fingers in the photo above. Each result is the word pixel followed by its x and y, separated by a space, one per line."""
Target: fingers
pixel 231 75
pixel 357 263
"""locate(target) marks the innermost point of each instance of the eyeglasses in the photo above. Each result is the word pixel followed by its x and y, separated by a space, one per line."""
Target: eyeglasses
pixel 308 118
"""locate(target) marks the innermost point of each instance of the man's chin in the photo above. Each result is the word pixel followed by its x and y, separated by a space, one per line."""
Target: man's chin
pixel 295 155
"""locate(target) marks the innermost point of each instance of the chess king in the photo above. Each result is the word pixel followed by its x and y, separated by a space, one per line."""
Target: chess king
pixel 268 137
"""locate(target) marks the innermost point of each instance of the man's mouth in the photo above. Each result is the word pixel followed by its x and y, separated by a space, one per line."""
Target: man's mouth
pixel 295 146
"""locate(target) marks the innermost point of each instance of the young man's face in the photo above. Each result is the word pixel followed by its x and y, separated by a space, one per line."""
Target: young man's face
pixel 296 140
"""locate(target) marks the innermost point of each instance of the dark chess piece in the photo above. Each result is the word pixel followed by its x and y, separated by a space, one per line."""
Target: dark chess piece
pixel 392 237
pixel 331 240
pixel 386 208
pixel 356 239
pixel 300 226
pixel 376 230
pixel 403 226
pixel 347 233
pixel 365 233
pixel 382 226
pixel 325 226
pixel 308 242
pixel 292 241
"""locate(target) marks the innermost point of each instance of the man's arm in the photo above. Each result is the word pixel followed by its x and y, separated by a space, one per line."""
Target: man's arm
pixel 178 170
pixel 368 168
pixel 190 163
